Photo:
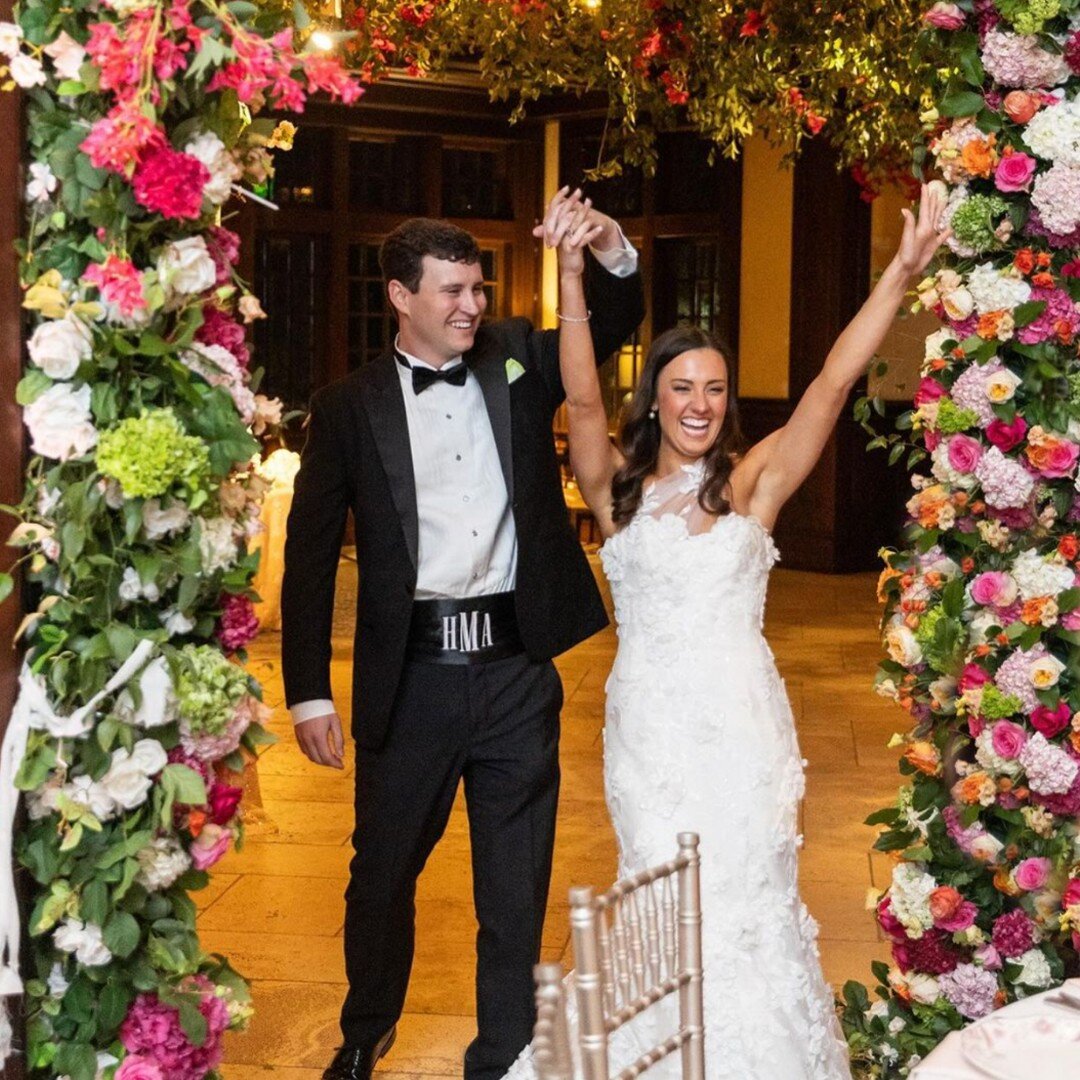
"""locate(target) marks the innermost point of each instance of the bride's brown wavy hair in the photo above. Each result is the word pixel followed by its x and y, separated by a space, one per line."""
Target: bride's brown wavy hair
pixel 639 434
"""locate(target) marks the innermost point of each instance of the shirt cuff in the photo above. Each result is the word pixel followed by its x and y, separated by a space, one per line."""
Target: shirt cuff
pixel 308 710
pixel 621 261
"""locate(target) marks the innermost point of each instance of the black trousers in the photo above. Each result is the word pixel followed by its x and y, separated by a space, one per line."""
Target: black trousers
pixel 495 726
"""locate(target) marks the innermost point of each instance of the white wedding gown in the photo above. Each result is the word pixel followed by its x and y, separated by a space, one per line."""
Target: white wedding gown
pixel 699 736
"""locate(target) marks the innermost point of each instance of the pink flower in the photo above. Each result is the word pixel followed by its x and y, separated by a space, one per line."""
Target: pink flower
pixel 950 910
pixel 971 677
pixel 964 453
pixel 224 800
pixel 945 17
pixel 119 283
pixel 136 1067
pixel 224 247
pixel 889 922
pixel 237 624
pixel 1005 435
pixel 211 845
pixel 1013 933
pixel 119 139
pixel 1072 893
pixel 171 183
pixel 929 390
pixel 1031 874
pixel 993 588
pixel 219 328
pixel 1050 722
pixel 1061 459
pixel 989 957
pixel 1014 172
pixel 1008 739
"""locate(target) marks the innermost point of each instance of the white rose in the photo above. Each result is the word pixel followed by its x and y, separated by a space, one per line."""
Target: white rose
pixel 26 71
pixel 185 267
pixel 42 182
pixel 924 988
pixel 157 706
pixel 1001 386
pixel 901 645
pixel 986 847
pixel 161 863
pixel 67 55
pixel 56 982
pixel 210 150
pixel 59 422
pixel 935 344
pixel 1045 672
pixel 149 756
pixel 125 782
pixel 60 345
pixel 11 36
pixel 958 304
pixel 130 586
pixel 943 693
pixel 88 793
pixel 159 522
pixel 176 623
pixel 72 936
pixel 217 544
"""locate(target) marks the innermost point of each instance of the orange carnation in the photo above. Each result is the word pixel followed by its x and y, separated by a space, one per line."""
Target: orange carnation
pixel 979 157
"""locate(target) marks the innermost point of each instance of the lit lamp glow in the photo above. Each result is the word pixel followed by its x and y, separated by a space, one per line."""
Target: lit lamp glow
pixel 322 40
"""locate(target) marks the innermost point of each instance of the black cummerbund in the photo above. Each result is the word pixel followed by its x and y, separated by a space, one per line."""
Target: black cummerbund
pixel 473 631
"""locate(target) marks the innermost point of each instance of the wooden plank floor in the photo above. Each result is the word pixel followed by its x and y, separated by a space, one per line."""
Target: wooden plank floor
pixel 277 909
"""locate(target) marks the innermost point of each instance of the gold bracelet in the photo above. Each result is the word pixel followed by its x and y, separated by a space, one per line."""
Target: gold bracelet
pixel 567 318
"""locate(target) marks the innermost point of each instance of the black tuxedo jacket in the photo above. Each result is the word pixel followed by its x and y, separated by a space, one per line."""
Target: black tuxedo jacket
pixel 358 457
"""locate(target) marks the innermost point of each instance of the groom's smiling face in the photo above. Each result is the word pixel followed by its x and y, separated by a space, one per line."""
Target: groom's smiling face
pixel 439 321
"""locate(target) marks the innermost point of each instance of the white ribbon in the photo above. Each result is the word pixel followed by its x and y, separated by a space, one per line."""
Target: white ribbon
pixel 32 711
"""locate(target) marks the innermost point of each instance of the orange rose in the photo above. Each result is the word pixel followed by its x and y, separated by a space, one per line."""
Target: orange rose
pixel 1043 279
pixel 1021 105
pixel 1032 611
pixel 967 564
pixel 196 821
pixel 989 325
pixel 1069 546
pixel 944 901
pixel 924 756
pixel 1024 260
pixel 1003 882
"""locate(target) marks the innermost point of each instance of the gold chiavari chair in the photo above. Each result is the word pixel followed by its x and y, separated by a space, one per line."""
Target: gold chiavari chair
pixel 635 945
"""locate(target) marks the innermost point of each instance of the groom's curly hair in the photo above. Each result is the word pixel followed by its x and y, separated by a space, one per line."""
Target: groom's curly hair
pixel 639 433
pixel 401 256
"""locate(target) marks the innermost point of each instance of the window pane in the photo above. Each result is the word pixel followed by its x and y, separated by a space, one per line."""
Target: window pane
pixel 371 327
pixel 385 174
pixel 685 181
pixel 475 183
pixel 579 150
pixel 302 174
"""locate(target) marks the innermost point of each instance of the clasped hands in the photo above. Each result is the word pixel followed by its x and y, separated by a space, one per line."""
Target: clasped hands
pixel 571 224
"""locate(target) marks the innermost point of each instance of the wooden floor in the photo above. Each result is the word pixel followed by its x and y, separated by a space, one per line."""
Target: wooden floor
pixel 277 908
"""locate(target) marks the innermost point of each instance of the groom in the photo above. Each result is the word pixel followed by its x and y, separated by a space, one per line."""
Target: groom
pixel 471 580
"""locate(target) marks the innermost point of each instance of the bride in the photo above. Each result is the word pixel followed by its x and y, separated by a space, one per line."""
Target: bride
pixel 699 734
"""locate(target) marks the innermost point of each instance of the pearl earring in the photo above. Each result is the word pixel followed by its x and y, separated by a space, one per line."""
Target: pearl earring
pixel 652 414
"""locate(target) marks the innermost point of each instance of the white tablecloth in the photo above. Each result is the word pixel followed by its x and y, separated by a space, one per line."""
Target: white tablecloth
pixel 947 1062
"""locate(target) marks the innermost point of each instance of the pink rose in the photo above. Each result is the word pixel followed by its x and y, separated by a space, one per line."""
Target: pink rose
pixel 945 17
pixel 1071 620
pixel 975 726
pixel 964 453
pixel 929 390
pixel 1032 874
pixel 1014 172
pixel 1007 435
pixel 931 439
pixel 224 800
pixel 889 922
pixel 211 846
pixel 1061 461
pixel 993 588
pixel 1008 739
pixel 1051 722
pixel 135 1067
pixel 971 677
pixel 989 957
pixel 1072 893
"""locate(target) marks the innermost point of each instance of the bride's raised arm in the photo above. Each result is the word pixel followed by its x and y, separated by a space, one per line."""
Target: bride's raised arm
pixel 592 457
pixel 772 470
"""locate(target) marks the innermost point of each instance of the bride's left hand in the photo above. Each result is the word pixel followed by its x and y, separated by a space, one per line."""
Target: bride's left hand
pixel 922 237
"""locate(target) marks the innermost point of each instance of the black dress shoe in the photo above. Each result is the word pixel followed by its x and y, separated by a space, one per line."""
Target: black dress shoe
pixel 354 1063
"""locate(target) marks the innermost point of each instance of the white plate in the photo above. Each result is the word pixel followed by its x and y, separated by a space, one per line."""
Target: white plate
pixel 1015 1048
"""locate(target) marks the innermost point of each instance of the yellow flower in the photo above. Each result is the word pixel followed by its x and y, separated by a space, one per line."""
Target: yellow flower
pixel 46 296
pixel 282 138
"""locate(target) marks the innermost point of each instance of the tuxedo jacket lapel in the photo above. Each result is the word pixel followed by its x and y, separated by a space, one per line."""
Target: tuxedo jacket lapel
pixel 488 365
pixel 381 395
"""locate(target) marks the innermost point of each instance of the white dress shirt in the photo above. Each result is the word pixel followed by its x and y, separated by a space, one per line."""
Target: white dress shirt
pixel 467 540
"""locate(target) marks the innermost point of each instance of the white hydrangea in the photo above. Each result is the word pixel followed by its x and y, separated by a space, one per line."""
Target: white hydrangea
pixel 217 544
pixel 943 470
pixel 84 940
pixel 132 588
pixel 1054 133
pixel 161 862
pixel 159 521
pixel 909 898
pixel 1034 969
pixel 1050 771
pixel 1036 575
pixel 989 758
pixel 997 290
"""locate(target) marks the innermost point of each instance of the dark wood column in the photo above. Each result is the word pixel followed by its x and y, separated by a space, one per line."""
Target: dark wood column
pixel 11 436
pixel 850 505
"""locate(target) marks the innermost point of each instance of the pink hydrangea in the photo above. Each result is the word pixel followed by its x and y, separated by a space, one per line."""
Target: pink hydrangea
pixel 1060 319
pixel 219 328
pixel 969 390
pixel 1065 803
pixel 1035 226
pixel 933 954
pixel 136 1067
pixel 237 624
pixel 170 183
pixel 224 247
pixel 1017 60
pixel 1005 482
pixel 1013 934
pixel 1014 676
pixel 970 989
pixel 1051 770
pixel 119 283
pixel 152 1031
pixel 214 747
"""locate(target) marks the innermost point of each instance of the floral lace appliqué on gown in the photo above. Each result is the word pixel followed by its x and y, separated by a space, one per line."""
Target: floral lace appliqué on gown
pixel 699 736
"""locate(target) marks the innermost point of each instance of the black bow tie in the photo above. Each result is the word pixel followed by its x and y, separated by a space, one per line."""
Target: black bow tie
pixel 423 377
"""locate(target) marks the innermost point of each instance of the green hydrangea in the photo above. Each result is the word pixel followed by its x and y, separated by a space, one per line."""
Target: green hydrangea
pixel 997 706
pixel 924 633
pixel 951 419
pixel 208 688
pixel 148 454
pixel 974 222
pixel 1028 16
pixel 1074 389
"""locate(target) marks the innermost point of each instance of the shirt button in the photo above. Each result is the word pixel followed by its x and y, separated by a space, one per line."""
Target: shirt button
pixel 475 533
pixel 449 417
pixel 457 457
pixel 464 498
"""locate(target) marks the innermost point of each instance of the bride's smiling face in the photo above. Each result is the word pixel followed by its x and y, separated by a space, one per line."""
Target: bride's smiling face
pixel 691 400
